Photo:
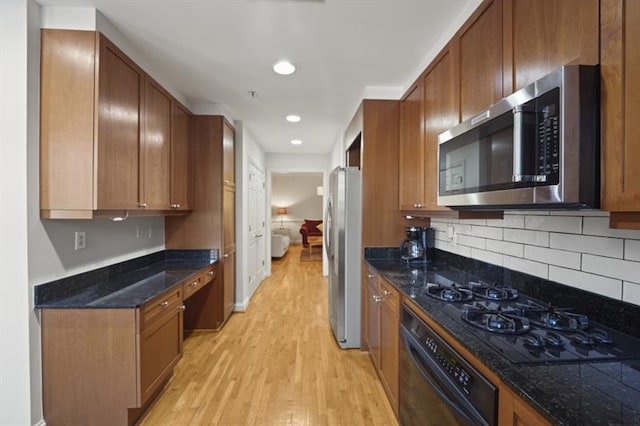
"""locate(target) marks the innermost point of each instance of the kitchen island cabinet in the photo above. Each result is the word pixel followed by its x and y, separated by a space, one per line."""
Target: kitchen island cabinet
pixel 620 66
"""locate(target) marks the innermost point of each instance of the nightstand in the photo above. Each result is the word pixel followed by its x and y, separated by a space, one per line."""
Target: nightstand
pixel 282 231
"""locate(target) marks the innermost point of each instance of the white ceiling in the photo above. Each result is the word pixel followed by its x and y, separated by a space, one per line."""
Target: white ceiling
pixel 216 51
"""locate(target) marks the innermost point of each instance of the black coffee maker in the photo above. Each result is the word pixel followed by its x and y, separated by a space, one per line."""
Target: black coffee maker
pixel 418 246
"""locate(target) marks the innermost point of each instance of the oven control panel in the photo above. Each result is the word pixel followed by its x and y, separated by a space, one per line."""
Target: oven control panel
pixel 449 364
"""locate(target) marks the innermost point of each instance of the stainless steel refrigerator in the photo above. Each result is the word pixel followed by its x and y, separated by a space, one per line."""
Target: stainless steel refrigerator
pixel 343 242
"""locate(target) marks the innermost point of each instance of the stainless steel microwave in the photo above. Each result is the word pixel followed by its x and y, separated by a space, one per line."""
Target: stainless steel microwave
pixel 536 148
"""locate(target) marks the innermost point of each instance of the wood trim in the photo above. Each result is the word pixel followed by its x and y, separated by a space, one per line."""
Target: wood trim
pixel 624 220
pixel 455 214
pixel 507 47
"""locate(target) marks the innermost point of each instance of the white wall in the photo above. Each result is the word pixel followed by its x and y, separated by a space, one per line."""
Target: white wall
pixel 298 193
pixel 15 311
pixel 573 248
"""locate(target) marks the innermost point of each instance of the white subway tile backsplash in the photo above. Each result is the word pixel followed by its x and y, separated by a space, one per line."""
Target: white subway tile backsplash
pixel 632 250
pixel 536 238
pixel 600 226
pixel 597 284
pixel 462 229
pixel 481 222
pixel 568 224
pixel 504 247
pixel 609 267
pixel 611 247
pixel 527 266
pixel 508 221
pixel 487 232
pixel 563 258
pixel 469 241
pixel 459 250
pixel 575 248
pixel 487 256
pixel 631 292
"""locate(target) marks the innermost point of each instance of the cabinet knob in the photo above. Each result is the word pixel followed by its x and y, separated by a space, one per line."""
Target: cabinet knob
pixel 143 205
pixel 164 304
pixel 194 284
pixel 210 273
pixel 182 308
pixel 371 275
pixel 377 299
pixel 226 181
pixel 417 206
pixel 226 255
pixel 386 292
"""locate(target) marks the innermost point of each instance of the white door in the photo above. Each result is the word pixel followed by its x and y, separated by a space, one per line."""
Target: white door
pixel 257 214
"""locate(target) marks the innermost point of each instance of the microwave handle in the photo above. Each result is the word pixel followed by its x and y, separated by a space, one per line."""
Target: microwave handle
pixel 519 112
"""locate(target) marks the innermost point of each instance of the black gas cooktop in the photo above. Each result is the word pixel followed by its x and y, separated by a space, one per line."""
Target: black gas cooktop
pixel 529 331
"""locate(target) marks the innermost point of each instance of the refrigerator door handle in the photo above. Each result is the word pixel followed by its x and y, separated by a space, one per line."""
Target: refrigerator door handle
pixel 327 229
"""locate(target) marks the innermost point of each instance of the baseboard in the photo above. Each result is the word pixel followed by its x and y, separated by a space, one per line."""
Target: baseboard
pixel 41 423
pixel 241 307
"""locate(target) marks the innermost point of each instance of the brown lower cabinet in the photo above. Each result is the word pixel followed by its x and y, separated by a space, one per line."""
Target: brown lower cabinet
pixel 383 307
pixel 105 366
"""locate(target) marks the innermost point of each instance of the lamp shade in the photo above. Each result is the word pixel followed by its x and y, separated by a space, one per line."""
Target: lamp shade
pixel 281 210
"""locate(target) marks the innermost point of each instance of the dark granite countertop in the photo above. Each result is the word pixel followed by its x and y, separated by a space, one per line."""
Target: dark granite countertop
pixel 586 393
pixel 125 285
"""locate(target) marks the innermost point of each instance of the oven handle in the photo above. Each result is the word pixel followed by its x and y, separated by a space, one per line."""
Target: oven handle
pixel 519 141
pixel 434 385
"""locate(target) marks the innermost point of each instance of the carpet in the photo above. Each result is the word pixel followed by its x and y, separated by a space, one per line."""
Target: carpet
pixel 315 256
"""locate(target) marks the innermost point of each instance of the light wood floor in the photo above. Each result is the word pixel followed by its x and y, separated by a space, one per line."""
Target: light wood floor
pixel 276 364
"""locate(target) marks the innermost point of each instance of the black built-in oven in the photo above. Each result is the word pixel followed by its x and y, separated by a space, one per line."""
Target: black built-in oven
pixel 437 387
pixel 536 147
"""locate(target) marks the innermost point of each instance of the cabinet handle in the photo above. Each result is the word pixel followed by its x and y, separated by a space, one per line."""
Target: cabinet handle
pixel 194 284
pixel 182 308
pixel 210 273
pixel 377 299
pixel 371 275
pixel 386 292
pixel 143 205
pixel 164 304
pixel 226 255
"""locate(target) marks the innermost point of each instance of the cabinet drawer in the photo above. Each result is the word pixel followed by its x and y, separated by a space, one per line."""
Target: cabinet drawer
pixel 209 275
pixel 390 296
pixel 155 312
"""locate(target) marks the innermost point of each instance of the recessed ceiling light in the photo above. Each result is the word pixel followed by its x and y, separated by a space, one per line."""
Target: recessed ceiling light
pixel 284 67
pixel 296 142
pixel 293 118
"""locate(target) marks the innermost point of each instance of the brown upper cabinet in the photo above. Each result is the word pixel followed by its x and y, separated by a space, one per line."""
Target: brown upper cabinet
pixel 411 179
pixel 181 157
pixel 105 132
pixel 620 67
pixel 155 164
pixel 480 64
pixel 542 35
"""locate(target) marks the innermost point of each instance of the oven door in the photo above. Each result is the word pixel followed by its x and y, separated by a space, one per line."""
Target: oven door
pixel 426 399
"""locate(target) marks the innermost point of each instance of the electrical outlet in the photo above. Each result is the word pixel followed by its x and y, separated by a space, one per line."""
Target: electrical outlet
pixel 80 240
pixel 150 231
pixel 450 231
pixel 138 232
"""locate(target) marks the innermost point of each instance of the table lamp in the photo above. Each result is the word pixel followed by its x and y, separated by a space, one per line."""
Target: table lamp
pixel 281 211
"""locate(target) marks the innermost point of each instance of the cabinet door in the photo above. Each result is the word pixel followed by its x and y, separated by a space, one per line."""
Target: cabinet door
pixel 160 341
pixel 229 282
pixel 228 154
pixel 481 60
pixel 620 67
pixel 411 160
pixel 156 147
pixel 440 113
pixel 543 35
pixel 118 115
pixel 373 318
pixel 389 339
pixel 181 158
